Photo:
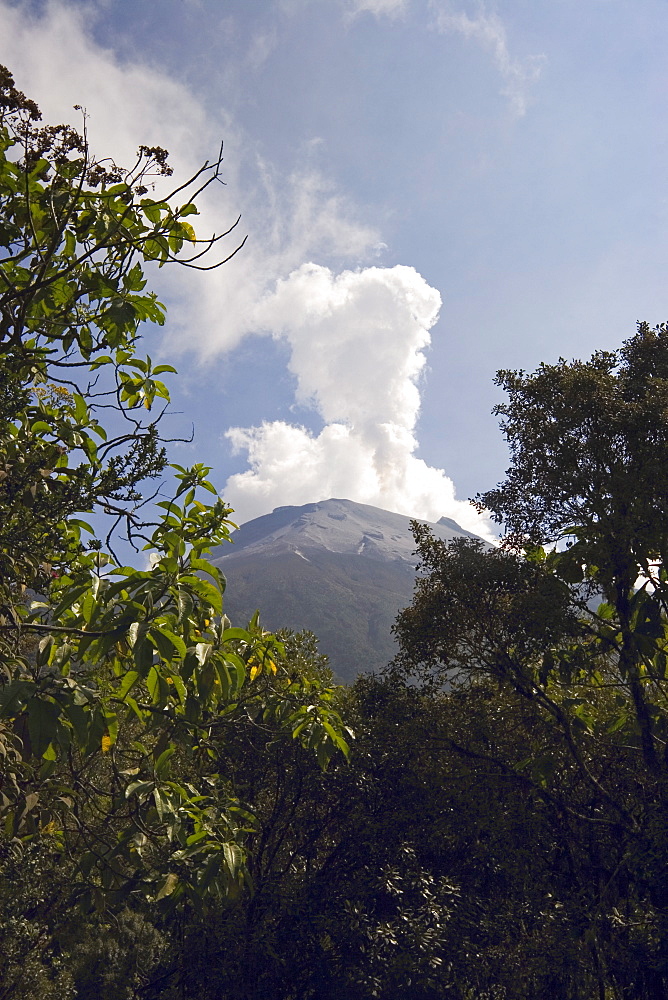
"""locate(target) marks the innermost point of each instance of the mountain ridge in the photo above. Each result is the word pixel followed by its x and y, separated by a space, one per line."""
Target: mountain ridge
pixel 337 525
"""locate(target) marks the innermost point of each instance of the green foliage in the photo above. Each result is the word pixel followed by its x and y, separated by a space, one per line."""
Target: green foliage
pixel 577 632
pixel 589 448
pixel 415 870
pixel 114 682
pixel 73 235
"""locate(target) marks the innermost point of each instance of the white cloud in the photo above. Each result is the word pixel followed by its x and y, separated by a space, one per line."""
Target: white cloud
pixel 379 8
pixel 357 344
pixel 261 47
pixel 56 62
pixel 288 220
pixel 488 30
pixel 356 338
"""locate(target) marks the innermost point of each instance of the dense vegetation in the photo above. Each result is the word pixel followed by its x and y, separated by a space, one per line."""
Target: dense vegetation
pixel 117 685
pixel 182 815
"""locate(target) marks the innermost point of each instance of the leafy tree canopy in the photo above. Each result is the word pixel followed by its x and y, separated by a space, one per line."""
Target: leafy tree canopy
pixel 589 448
pixel 570 616
pixel 114 681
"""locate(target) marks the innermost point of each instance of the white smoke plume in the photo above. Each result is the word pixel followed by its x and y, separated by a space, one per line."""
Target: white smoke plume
pixel 357 343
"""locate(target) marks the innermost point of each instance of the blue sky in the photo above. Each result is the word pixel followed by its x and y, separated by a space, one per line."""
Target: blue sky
pixel 432 190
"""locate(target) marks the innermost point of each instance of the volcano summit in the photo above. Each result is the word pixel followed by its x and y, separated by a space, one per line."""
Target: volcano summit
pixel 338 568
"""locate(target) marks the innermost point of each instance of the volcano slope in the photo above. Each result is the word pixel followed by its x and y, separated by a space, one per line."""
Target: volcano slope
pixel 337 568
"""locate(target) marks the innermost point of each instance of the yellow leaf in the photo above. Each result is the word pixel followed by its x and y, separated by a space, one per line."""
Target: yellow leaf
pixel 272 666
pixel 255 671
pixel 106 743
pixel 189 231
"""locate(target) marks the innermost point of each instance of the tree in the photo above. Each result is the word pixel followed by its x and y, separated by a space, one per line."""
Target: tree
pixel 578 631
pixel 113 675
pixel 74 231
pixel 589 444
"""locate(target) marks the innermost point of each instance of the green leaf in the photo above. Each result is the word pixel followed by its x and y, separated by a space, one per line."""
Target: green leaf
pixel 139 713
pixel 168 886
pixel 209 594
pixel 179 687
pixel 112 726
pixel 188 232
pixel 617 723
pixel 161 803
pixel 195 838
pixel 138 788
pixel 238 673
pixel 185 606
pixel 43 719
pixel 205 680
pixel 14 695
pixel 87 607
pixel 80 720
pixel 41 427
pixel 80 407
pixel 161 764
pixel 167 642
pixel 203 652
pixel 129 681
pixel 204 566
pixel 153 684
pixel 233 857
pixel 142 648
pixel 336 738
pixel 236 633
